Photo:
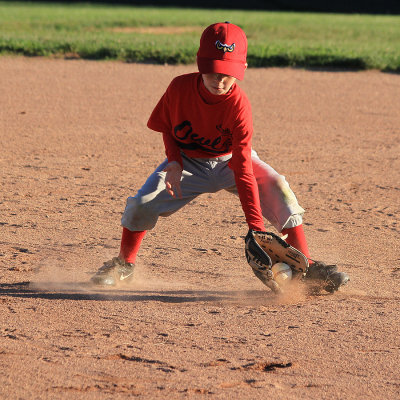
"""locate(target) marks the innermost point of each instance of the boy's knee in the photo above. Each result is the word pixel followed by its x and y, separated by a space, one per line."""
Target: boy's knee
pixel 138 215
pixel 283 187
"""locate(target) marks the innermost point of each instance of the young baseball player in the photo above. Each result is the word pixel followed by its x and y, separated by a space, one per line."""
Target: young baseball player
pixel 206 125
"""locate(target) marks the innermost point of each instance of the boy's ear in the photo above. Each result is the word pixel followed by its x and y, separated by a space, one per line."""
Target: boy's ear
pixel 245 66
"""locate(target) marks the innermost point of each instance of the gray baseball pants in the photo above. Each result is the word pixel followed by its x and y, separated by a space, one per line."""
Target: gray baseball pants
pixel 278 202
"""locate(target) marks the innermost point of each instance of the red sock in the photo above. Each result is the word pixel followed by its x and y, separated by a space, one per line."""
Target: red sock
pixel 130 244
pixel 297 239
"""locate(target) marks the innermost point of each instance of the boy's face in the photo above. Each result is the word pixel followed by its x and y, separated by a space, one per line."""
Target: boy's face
pixel 218 84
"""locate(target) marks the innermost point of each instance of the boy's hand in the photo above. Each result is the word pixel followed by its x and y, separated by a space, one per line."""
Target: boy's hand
pixel 173 178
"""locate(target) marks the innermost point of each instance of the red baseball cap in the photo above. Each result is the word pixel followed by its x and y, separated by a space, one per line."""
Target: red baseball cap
pixel 223 50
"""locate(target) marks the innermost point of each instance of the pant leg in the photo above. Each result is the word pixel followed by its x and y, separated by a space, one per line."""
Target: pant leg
pixel 153 201
pixel 279 204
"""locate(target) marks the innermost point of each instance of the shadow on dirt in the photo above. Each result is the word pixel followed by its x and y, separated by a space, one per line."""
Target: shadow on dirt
pixel 85 291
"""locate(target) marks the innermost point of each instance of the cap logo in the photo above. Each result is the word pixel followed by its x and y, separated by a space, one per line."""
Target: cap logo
pixel 225 47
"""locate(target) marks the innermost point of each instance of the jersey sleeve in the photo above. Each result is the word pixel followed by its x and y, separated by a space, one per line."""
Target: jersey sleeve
pixel 160 121
pixel 242 167
pixel 249 197
pixel 172 150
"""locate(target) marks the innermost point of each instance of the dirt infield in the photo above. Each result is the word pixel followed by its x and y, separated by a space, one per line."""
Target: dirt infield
pixel 195 323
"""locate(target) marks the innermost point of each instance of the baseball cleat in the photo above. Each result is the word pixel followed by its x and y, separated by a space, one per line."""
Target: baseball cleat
pixel 327 276
pixel 113 272
pixel 336 280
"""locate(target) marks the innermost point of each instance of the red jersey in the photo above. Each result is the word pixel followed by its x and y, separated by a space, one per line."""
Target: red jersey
pixel 203 125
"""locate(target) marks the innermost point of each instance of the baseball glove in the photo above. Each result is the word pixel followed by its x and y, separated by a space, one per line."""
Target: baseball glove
pixel 264 249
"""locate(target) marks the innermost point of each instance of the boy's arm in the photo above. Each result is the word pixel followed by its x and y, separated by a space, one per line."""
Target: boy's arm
pixel 173 179
pixel 160 121
pixel 172 150
pixel 246 184
pixel 250 199
pixel 174 167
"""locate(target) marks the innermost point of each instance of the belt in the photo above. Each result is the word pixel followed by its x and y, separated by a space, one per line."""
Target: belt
pixel 216 159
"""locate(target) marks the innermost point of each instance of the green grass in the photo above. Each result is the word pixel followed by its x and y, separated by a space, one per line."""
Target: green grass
pixel 275 38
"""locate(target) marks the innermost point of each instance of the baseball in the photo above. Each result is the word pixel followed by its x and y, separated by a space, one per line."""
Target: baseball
pixel 282 273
